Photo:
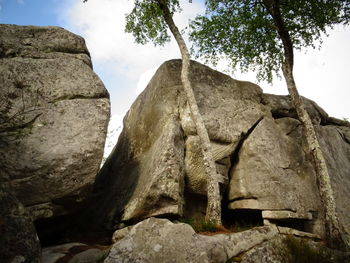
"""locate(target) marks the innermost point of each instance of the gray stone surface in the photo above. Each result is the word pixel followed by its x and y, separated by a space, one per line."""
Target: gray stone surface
pixel 159 240
pixel 285 215
pixel 297 233
pixel 54 253
pixel 92 255
pixel 335 143
pixel 273 251
pixel 144 175
pixel 18 239
pixel 64 108
pixel 74 253
pixel 154 137
pixel 120 233
pixel 291 249
pixel 257 143
pixel 273 169
pixel 281 106
pixel 42 43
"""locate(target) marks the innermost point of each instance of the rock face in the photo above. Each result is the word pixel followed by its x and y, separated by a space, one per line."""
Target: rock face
pixel 289 249
pixel 257 143
pixel 52 147
pixel 145 175
pixel 19 241
pixel 335 142
pixel 74 253
pixel 159 240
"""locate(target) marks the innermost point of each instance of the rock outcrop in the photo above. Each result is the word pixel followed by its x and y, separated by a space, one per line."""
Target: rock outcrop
pixel 159 240
pixel 53 129
pixel 74 253
pixel 53 119
pixel 257 143
pixel 18 239
pixel 289 249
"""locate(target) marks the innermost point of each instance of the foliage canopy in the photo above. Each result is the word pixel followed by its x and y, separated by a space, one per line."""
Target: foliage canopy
pixel 146 22
pixel 244 32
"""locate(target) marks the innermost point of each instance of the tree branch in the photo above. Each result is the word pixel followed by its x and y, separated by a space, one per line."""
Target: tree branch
pixel 273 7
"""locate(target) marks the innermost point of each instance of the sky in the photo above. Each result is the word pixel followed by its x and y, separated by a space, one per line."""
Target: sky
pixel 126 67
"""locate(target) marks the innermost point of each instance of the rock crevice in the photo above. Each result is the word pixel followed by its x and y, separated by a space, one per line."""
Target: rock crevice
pixel 256 140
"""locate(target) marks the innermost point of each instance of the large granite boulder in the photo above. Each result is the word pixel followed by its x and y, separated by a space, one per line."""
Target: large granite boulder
pixel 290 249
pixel 159 240
pixel 144 175
pixel 55 112
pixel 335 142
pixel 156 168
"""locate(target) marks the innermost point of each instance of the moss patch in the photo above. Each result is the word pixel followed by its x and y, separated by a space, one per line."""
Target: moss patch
pixel 302 252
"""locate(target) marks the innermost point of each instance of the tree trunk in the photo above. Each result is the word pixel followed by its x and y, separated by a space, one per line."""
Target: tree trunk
pixel 332 227
pixel 213 212
pixel 334 236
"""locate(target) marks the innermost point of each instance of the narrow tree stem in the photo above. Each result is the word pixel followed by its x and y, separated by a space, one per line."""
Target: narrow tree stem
pixel 213 189
pixel 333 233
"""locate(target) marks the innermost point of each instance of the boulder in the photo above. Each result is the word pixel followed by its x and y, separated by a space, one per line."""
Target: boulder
pixel 290 249
pixel 19 241
pixel 335 143
pixel 144 175
pixel 57 115
pixel 74 253
pixel 274 173
pixel 156 169
pixel 159 240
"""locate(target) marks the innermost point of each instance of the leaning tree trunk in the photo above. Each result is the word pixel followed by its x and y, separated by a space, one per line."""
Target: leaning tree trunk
pixel 334 236
pixel 332 226
pixel 213 212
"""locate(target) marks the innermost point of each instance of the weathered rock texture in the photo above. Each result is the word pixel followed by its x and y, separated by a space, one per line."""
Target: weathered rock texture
pixel 156 168
pixel 74 253
pixel 159 240
pixel 144 175
pixel 53 155
pixel 289 249
pixel 18 239
pixel 335 142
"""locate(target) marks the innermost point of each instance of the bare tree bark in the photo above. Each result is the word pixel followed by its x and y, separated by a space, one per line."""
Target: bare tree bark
pixel 334 236
pixel 213 212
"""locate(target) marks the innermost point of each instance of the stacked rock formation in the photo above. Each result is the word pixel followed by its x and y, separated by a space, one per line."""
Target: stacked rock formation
pixel 257 142
pixel 54 116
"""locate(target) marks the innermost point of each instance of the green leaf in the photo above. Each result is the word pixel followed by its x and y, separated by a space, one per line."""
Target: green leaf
pixel 244 32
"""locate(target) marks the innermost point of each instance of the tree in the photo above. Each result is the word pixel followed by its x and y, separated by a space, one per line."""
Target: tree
pixel 262 36
pixel 149 21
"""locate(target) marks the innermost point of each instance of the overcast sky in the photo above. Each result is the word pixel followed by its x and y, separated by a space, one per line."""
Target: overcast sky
pixel 125 67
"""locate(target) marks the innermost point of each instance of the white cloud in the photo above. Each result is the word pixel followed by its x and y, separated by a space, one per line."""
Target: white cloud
pixel 320 75
pixel 323 75
pixel 115 127
pixel 102 24
pixel 144 79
